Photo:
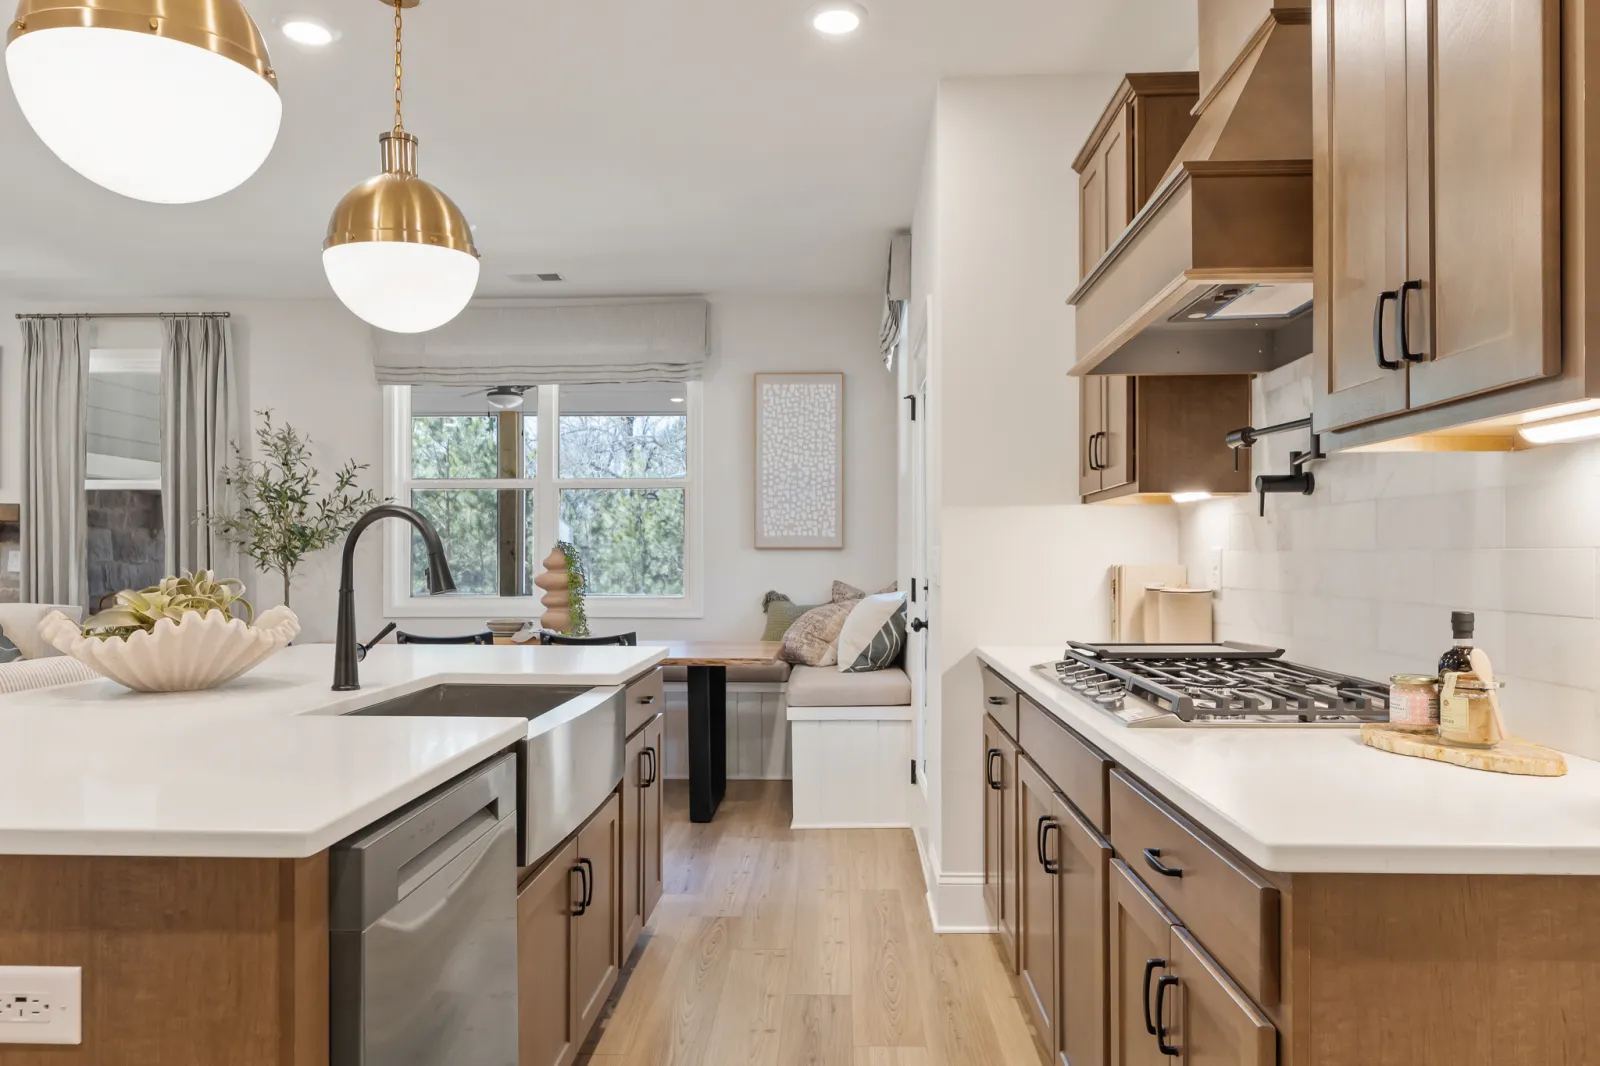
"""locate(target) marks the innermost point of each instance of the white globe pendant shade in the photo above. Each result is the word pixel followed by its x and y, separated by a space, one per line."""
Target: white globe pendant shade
pixel 403 288
pixel 399 253
pixel 173 104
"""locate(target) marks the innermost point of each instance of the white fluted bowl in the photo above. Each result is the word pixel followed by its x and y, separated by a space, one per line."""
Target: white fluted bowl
pixel 200 652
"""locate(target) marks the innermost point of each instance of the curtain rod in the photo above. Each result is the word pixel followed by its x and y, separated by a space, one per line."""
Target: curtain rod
pixel 140 314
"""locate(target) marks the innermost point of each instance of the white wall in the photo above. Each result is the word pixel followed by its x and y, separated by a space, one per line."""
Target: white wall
pixel 1021 561
pixel 310 362
pixel 1361 577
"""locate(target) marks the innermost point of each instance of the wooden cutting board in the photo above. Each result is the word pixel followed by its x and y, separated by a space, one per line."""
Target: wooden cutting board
pixel 1510 756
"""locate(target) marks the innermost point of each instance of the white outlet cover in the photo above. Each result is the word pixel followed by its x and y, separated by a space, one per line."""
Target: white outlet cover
pixel 41 1005
pixel 14 561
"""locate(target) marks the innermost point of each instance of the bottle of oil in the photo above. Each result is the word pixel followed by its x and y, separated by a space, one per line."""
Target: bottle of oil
pixel 1457 658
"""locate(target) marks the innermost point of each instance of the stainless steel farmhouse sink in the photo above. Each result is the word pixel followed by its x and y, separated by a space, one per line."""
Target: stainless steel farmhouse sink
pixel 567 764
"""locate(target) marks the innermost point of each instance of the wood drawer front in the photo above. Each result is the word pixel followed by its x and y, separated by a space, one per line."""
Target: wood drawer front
pixel 646 699
pixel 1229 908
pixel 1000 700
pixel 1076 770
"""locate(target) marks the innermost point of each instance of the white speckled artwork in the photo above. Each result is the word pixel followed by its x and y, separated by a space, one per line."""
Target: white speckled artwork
pixel 799 460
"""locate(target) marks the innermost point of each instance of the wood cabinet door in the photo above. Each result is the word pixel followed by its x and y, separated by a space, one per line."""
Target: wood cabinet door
pixel 1359 157
pixel 1091 214
pixel 1212 1020
pixel 1116 154
pixel 1081 972
pixel 630 905
pixel 544 957
pixel 652 867
pixel 1484 228
pixel 1036 934
pixel 594 923
pixel 1118 459
pixel 1091 422
pixel 1000 838
pixel 1140 946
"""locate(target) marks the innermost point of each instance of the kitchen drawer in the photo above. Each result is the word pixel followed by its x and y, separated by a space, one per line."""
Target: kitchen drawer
pixel 1000 700
pixel 1229 907
pixel 646 699
pixel 1076 770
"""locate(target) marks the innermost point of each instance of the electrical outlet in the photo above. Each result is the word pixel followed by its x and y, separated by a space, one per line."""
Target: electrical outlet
pixel 41 1005
pixel 14 561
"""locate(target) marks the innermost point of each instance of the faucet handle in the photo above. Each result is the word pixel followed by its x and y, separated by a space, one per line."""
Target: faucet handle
pixel 362 649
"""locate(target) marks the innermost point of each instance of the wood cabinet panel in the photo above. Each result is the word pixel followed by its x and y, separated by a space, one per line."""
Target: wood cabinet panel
pixel 1000 838
pixel 545 1033
pixel 1484 193
pixel 1091 424
pixel 646 699
pixel 1000 700
pixel 1116 452
pixel 652 865
pixel 1212 1019
pixel 1092 241
pixel 630 880
pixel 1081 916
pixel 595 921
pixel 1233 910
pixel 1139 934
pixel 1073 768
pixel 1359 189
pixel 1036 935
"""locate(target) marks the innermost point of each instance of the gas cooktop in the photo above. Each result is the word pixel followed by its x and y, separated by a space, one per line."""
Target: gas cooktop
pixel 1225 684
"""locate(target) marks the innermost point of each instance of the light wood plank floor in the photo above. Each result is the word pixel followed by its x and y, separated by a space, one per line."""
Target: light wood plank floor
pixel 777 947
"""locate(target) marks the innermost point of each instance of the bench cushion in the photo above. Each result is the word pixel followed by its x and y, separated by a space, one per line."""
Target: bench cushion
pixel 777 673
pixel 826 686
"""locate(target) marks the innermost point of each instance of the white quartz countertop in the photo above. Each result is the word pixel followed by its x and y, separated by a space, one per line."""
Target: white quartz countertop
pixel 265 766
pixel 1316 800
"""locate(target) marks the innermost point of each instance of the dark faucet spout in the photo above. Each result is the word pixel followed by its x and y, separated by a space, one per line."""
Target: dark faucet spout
pixel 346 678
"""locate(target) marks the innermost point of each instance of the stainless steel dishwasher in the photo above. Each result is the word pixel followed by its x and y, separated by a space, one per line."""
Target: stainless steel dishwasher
pixel 423 916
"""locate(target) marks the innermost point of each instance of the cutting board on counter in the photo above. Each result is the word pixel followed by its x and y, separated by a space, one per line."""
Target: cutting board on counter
pixel 1509 756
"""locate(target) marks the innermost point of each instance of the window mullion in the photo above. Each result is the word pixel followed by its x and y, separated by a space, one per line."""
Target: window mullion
pixel 548 494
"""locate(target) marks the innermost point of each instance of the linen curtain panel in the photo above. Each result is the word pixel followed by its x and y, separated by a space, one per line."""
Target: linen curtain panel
pixel 55 461
pixel 199 425
pixel 586 342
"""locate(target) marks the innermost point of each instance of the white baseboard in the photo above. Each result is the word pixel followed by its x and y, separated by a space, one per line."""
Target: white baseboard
pixel 955 900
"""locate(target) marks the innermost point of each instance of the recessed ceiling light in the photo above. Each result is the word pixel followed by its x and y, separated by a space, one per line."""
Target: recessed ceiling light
pixel 309 32
pixel 839 18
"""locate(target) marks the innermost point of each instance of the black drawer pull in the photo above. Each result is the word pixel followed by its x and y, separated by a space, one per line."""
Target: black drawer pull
pixel 588 882
pixel 581 904
pixel 988 771
pixel 1038 840
pixel 1402 331
pixel 1377 330
pixel 1150 966
pixel 647 699
pixel 1167 981
pixel 1152 856
pixel 647 758
pixel 1051 866
pixel 998 701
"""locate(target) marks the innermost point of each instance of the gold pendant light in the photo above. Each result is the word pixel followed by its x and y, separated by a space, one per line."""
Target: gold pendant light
pixel 399 252
pixel 169 101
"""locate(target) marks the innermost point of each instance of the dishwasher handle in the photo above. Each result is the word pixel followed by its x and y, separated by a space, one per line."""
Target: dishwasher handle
pixel 370 872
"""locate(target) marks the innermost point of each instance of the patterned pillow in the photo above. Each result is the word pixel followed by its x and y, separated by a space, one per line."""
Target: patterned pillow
pixel 810 641
pixel 845 593
pixel 874 634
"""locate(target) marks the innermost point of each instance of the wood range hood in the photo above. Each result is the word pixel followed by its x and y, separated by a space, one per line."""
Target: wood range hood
pixel 1213 274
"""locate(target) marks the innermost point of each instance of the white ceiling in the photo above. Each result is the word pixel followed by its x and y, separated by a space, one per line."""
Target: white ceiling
pixel 635 146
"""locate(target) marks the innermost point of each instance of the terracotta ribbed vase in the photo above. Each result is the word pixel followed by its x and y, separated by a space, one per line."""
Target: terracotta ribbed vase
pixel 557 599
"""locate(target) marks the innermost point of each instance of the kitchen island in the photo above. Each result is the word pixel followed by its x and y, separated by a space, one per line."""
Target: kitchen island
pixel 175 846
pixel 1280 894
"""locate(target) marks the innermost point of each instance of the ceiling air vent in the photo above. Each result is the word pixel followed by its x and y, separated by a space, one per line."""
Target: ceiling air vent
pixel 535 279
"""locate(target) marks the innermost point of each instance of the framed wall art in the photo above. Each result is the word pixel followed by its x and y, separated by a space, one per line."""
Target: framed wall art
pixel 800 460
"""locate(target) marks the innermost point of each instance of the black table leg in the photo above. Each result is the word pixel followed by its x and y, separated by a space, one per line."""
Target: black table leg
pixel 708 740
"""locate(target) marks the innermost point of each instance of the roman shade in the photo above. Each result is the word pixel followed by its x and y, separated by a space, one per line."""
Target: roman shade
pixel 583 342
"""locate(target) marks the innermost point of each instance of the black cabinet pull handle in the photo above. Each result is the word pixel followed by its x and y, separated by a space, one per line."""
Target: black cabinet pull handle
pixel 1377 329
pixel 1167 981
pixel 1051 866
pixel 1402 332
pixel 1041 833
pixel 647 767
pixel 1105 449
pixel 580 906
pixel 988 771
pixel 998 701
pixel 1150 966
pixel 1152 856
pixel 1094 451
pixel 647 699
pixel 655 766
pixel 588 882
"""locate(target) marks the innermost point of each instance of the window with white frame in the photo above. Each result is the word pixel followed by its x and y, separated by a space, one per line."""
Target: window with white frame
pixel 613 469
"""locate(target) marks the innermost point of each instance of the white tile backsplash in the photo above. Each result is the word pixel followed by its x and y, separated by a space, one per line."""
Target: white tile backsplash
pixel 1362 576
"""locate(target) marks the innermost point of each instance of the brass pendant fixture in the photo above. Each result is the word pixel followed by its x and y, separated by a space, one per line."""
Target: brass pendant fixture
pixel 399 252
pixel 169 101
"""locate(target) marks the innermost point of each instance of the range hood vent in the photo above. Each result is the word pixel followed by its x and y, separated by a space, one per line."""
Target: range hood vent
pixel 1213 275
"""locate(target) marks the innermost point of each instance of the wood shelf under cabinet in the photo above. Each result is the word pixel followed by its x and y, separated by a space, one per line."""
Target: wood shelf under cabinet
pixel 1144 438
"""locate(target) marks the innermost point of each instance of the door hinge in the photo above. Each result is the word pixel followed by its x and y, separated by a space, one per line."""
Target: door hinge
pixel 913 771
pixel 913 398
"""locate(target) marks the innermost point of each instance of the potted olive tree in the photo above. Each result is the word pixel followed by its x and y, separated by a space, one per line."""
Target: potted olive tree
pixel 280 517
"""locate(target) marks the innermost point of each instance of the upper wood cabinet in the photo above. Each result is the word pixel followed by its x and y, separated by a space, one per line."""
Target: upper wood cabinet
pixel 1437 185
pixel 1130 148
pixel 1153 436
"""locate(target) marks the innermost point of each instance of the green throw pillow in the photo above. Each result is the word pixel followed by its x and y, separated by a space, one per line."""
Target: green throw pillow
pixel 8 650
pixel 782 612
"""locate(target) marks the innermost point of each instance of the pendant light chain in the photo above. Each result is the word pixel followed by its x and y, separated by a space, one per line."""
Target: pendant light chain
pixel 399 126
